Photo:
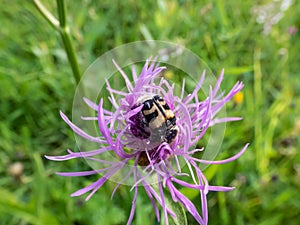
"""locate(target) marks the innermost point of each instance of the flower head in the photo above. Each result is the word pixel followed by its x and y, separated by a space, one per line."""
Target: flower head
pixel 153 132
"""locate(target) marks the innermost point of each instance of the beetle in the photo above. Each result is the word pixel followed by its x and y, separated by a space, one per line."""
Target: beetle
pixel 155 122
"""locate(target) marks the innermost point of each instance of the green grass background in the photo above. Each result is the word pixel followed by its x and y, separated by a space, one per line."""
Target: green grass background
pixel 36 82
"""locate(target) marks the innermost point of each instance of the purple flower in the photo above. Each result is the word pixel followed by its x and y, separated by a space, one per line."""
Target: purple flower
pixel 152 132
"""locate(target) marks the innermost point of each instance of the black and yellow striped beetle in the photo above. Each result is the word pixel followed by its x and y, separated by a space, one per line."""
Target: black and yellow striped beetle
pixel 155 122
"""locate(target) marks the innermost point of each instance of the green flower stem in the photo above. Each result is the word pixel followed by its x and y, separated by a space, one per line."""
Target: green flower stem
pixel 61 26
pixel 46 14
pixel 65 35
pixel 61 10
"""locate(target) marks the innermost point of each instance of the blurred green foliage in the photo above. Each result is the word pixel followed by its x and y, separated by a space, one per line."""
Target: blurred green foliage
pixel 36 82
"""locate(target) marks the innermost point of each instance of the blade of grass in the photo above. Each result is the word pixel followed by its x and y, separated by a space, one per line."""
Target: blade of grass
pixel 279 106
pixel 224 215
pixel 262 161
pixel 11 205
